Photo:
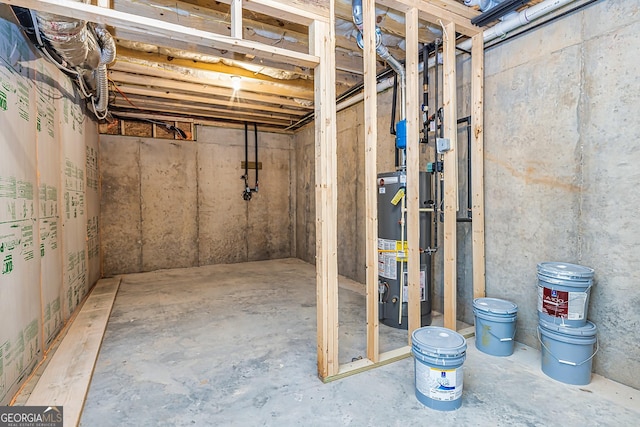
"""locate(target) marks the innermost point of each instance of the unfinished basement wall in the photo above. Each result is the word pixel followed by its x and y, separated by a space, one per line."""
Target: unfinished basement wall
pixel 561 171
pixel 560 175
pixel 171 203
pixel 48 206
pixel 351 202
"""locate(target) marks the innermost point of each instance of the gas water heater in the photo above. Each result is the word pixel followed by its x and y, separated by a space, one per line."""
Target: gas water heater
pixel 392 248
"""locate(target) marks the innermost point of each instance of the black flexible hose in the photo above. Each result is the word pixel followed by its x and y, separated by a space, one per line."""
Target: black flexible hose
pixel 255 134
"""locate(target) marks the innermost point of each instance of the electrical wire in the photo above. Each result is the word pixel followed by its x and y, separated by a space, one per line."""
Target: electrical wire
pixel 126 98
pixel 182 134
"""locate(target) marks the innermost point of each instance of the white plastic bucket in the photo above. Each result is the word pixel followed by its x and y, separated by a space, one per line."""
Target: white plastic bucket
pixel 563 293
pixel 567 352
pixel 439 355
pixel 495 325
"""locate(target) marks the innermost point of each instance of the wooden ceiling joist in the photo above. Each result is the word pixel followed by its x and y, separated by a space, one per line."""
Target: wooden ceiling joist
pixel 156 59
pixel 439 13
pixel 231 102
pixel 125 114
pixel 300 11
pixel 162 83
pixel 152 107
pixel 146 102
pixel 214 79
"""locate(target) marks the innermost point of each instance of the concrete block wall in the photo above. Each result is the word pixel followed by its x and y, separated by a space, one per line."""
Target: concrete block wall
pixel 48 206
pixel 170 203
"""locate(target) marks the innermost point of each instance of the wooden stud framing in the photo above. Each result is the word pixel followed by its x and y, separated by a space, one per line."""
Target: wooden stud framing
pixel 414 10
pixel 236 19
pixel 450 174
pixel 321 35
pixel 413 166
pixel 448 11
pixel 370 176
pixel 477 162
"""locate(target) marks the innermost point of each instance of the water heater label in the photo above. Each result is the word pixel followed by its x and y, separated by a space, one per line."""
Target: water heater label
pixel 567 305
pixel 439 384
pixel 405 288
pixel 387 265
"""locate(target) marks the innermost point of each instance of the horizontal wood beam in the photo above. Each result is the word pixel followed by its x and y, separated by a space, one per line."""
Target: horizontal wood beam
pixel 211 78
pixel 195 120
pixel 65 381
pixel 168 84
pixel 436 11
pixel 152 107
pixel 363 365
pixel 204 99
pixel 220 67
pixel 177 49
pixel 387 22
pixel 215 21
pixel 164 31
pixel 298 11
pixel 142 100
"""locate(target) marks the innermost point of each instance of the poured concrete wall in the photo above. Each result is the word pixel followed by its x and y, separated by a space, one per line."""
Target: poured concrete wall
pixel 561 170
pixel 48 206
pixel 170 203
pixel 351 211
pixel 560 175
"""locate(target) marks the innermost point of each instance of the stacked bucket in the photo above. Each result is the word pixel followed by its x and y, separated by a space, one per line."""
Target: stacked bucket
pixel 568 339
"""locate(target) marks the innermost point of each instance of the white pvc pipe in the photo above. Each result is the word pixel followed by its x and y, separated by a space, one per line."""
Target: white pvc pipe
pixel 523 18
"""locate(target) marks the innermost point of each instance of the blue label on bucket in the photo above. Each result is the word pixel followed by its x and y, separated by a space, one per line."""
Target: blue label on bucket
pixel 439 384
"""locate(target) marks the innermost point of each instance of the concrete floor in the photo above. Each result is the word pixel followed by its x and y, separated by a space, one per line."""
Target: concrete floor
pixel 234 345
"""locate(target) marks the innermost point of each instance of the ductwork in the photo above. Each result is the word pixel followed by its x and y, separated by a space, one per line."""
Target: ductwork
pixel 484 5
pixel 107 56
pixel 383 52
pixel 70 38
pixel 83 51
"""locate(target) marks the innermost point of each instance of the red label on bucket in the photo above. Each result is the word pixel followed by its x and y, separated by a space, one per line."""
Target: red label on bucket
pixel 555 303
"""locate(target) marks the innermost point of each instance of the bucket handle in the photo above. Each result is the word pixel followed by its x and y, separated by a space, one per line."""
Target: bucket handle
pixel 503 339
pixel 567 362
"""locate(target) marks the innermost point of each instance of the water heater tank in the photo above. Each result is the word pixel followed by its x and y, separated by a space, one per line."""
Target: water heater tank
pixel 392 249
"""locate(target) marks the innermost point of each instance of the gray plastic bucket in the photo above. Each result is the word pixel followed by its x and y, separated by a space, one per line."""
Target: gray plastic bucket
pixel 567 352
pixel 563 293
pixel 495 325
pixel 439 355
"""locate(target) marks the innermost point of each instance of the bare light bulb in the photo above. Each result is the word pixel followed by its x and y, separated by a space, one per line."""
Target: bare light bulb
pixel 235 83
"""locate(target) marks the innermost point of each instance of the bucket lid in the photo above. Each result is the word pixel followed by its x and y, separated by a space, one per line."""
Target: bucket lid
pixel 588 330
pixel 495 305
pixel 565 270
pixel 439 341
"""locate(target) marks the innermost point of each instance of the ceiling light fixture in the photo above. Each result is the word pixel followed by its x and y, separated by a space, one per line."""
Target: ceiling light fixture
pixel 235 83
